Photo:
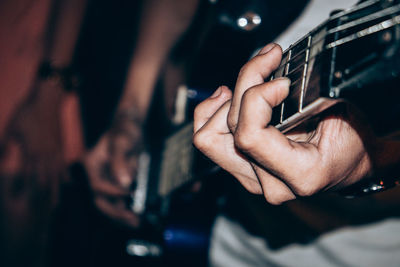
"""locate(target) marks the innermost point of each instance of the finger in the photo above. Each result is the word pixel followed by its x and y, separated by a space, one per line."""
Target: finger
pixel 108 189
pixel 274 190
pixel 253 73
pixel 216 142
pixel 271 149
pixel 120 169
pixel 208 107
pixel 257 103
pixel 98 178
pixel 117 211
pixel 100 184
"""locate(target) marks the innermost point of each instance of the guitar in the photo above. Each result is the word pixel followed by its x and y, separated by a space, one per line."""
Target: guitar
pixel 343 59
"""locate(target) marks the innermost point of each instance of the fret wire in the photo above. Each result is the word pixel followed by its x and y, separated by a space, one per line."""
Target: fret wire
pixel 322 37
pixel 371 30
pixel 292 70
pixel 305 74
pixel 285 74
pixel 287 63
pixel 288 51
pixel 309 36
pixel 303 84
pixel 309 41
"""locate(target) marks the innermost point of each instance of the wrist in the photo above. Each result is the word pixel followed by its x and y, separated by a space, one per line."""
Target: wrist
pixel 128 115
pixel 64 77
pixel 385 173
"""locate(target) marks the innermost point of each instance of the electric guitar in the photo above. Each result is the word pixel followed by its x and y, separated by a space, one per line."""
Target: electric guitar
pixel 353 56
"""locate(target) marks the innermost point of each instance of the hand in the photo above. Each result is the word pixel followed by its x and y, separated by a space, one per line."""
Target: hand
pixel 112 166
pixel 31 152
pixel 235 133
pixel 31 165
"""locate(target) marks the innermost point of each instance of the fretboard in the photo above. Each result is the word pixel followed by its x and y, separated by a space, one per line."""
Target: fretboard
pixel 302 64
pixel 300 60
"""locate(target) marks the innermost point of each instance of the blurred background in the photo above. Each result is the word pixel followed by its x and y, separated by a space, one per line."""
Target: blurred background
pixel 66 68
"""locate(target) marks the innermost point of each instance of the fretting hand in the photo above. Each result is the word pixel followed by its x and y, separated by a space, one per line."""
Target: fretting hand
pixel 234 132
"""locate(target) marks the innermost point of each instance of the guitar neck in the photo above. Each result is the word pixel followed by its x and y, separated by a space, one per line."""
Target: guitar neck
pixel 334 58
pixel 353 49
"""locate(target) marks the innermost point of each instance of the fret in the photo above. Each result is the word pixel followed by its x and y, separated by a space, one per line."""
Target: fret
pixel 305 64
pixel 280 72
pixel 296 75
pixel 305 71
pixel 286 68
pixel 296 71
pixel 303 86
pixel 287 61
pixel 297 61
pixel 292 102
pixel 301 46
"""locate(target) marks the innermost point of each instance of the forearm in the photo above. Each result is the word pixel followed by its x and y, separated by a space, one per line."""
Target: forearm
pixel 63 30
pixel 162 23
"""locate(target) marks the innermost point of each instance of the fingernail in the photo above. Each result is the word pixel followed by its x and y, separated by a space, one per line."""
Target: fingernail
pixel 217 93
pixel 267 48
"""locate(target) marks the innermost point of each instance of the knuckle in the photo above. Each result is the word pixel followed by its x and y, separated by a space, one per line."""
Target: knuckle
pixel 198 110
pixel 244 140
pixel 304 190
pixel 202 140
pixel 276 197
pixel 307 185
pixel 244 70
pixel 250 93
pixel 309 179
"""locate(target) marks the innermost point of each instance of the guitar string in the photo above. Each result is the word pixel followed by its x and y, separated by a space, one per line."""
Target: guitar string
pixel 322 38
pixel 186 138
pixel 373 16
pixel 355 8
pixel 336 16
pixel 373 29
pixel 353 37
